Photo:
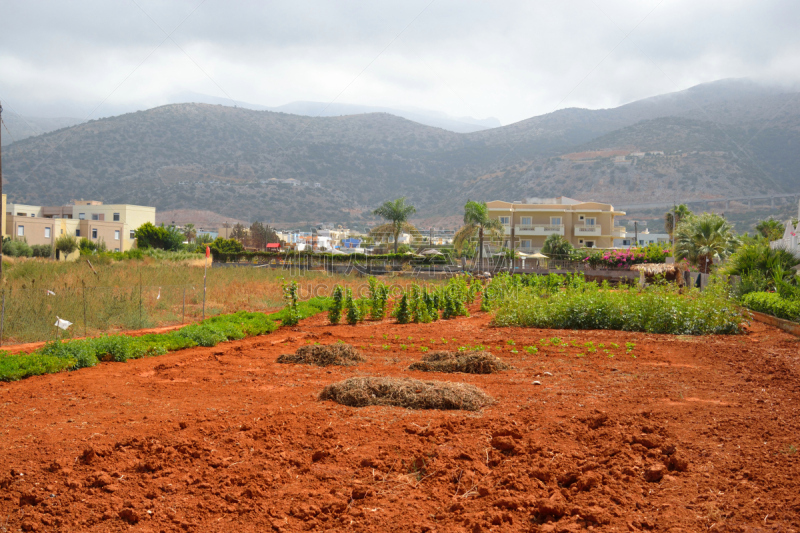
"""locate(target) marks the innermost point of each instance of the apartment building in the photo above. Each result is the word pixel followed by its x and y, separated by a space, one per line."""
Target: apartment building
pixel 583 224
pixel 113 224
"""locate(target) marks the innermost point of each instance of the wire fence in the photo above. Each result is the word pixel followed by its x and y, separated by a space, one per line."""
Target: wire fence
pixel 29 315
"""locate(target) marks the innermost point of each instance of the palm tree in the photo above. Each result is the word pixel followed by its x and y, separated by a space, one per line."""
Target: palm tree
pixel 770 228
pixel 189 232
pixel 702 238
pixel 557 247
pixel 397 213
pixel 673 217
pixel 476 221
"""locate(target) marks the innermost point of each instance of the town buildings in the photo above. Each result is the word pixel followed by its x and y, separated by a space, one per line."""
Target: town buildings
pixel 112 224
pixel 583 224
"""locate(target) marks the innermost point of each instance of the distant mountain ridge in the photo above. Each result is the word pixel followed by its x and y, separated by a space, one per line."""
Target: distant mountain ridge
pixel 728 138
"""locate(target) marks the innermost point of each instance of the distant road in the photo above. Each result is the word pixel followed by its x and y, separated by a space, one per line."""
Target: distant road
pixel 705 201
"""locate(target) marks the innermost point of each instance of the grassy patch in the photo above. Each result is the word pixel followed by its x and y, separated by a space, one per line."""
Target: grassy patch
pixel 56 356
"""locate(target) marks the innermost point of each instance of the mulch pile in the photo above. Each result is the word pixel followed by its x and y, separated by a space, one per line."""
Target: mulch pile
pixel 465 362
pixel 324 355
pixel 408 393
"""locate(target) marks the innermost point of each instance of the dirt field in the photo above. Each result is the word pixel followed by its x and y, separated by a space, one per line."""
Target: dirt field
pixel 693 434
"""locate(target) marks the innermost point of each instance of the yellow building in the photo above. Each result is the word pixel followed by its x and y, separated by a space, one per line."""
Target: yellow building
pixel 583 224
pixel 113 224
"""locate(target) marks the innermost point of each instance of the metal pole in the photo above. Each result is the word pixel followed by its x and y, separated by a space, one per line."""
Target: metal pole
pixel 205 272
pixel 183 314
pixel 2 318
pixel 140 299
pixel 85 325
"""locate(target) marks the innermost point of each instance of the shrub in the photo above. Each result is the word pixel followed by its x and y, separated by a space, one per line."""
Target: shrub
pixel 66 244
pixel 149 235
pixel 16 367
pixel 41 250
pixel 86 246
pixel 772 304
pixel 291 317
pixel 402 312
pixel 657 309
pixel 335 311
pixel 353 314
pixel 17 249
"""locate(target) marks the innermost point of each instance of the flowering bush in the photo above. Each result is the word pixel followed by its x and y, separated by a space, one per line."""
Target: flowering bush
pixel 653 253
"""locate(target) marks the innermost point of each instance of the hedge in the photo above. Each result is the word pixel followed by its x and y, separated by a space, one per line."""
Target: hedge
pixel 772 304
pixel 226 257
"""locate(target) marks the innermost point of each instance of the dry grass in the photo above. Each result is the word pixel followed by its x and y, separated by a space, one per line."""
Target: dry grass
pixel 466 362
pixel 408 393
pixel 324 355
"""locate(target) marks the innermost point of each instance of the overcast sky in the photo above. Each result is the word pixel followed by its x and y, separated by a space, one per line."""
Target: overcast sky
pixel 510 60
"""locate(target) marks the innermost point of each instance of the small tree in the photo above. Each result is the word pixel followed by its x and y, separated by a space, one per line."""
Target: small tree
pixel 557 247
pixel 674 216
pixel 702 238
pixel 403 313
pixel 189 232
pixel 291 314
pixel 353 314
pixel 397 213
pixel 476 222
pixel 335 310
pixel 66 244
pixel 770 229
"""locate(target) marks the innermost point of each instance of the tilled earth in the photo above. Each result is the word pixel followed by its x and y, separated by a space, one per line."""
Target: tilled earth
pixel 677 434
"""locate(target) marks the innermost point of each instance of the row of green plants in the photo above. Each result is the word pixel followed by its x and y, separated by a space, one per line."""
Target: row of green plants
pixel 57 356
pixel 234 257
pixel 768 281
pixel 416 304
pixel 578 304
pixel 14 248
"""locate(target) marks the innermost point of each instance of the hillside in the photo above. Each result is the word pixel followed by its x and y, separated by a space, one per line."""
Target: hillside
pixel 235 161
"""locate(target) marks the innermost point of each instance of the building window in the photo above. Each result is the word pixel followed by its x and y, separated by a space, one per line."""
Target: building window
pixel 525 221
pixel 33 215
pixel 116 235
pixel 505 220
pixel 94 233
pixel 46 233
pixel 81 216
pixel 116 217
pixel 77 233
pixel 20 231
pixel 133 234
pixel 526 243
pixel 116 249
pixel 590 221
pixel 590 244
pixel 95 216
pixel 555 221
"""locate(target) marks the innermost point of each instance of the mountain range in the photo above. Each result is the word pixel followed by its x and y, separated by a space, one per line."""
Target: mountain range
pixel 722 139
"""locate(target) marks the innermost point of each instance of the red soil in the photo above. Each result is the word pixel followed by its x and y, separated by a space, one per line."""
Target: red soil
pixel 693 434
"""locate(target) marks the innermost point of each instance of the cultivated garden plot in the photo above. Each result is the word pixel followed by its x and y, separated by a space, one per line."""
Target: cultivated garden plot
pixel 614 430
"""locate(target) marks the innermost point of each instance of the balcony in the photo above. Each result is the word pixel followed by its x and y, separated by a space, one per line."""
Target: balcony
pixel 618 231
pixel 587 231
pixel 541 230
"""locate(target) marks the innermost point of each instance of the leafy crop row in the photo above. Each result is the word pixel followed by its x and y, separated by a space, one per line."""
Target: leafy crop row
pixel 56 356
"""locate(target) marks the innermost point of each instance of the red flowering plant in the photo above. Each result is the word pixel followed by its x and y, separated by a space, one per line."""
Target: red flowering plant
pixel 624 258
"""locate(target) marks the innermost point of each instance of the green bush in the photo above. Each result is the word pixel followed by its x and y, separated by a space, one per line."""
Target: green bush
pixel 657 309
pixel 772 304
pixel 16 367
pixel 41 250
pixel 149 235
pixel 17 249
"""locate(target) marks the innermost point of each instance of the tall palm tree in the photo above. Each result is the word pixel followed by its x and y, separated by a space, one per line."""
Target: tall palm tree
pixel 189 232
pixel 397 213
pixel 702 238
pixel 673 217
pixel 476 221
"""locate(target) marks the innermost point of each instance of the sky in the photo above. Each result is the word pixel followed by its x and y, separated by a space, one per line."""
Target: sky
pixel 505 59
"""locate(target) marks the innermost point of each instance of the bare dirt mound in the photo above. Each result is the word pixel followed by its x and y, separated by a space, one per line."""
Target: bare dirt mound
pixel 408 393
pixel 324 355
pixel 465 362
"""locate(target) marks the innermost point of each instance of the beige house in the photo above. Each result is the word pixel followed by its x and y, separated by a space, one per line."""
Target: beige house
pixel 113 224
pixel 583 224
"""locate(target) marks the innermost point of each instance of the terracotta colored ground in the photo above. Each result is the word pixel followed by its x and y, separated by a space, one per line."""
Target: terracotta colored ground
pixel 225 439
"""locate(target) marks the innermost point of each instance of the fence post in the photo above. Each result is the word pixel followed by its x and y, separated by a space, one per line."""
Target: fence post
pixel 2 317
pixel 85 325
pixel 140 299
pixel 183 314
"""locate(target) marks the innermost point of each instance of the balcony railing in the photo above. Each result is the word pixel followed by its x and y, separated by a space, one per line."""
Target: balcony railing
pixel 587 229
pixel 539 229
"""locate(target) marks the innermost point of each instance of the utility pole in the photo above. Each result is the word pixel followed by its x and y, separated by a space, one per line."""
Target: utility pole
pixel 636 233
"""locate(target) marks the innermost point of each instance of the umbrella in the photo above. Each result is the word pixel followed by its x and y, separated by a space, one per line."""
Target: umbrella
pixel 537 255
pixel 431 251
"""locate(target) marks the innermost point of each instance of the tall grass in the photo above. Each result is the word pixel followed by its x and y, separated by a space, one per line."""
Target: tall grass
pixel 172 293
pixel 582 305
pixel 56 356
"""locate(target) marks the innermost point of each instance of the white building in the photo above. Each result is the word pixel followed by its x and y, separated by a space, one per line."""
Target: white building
pixel 644 238
pixel 790 240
